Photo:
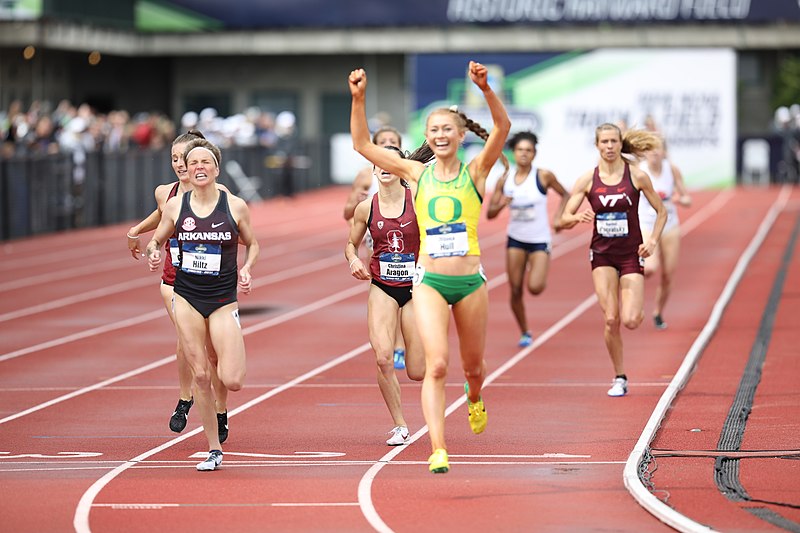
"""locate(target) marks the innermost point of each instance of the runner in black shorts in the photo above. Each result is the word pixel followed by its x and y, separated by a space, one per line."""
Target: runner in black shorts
pixel 180 416
pixel 389 216
pixel 208 224
pixel 617 252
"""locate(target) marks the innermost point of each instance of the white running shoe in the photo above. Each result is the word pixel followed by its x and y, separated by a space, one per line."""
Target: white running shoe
pixel 213 460
pixel 399 435
pixel 619 387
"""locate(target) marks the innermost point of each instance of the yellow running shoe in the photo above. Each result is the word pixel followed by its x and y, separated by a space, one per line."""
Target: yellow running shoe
pixel 477 413
pixel 438 462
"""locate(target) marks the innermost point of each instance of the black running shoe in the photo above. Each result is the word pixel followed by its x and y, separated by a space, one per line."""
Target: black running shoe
pixel 178 419
pixel 659 322
pixel 222 426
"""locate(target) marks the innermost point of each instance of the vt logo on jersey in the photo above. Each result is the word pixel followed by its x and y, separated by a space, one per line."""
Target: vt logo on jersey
pixel 610 200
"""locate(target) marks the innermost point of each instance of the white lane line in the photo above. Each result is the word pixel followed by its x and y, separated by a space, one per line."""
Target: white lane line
pixel 105 266
pixel 81 519
pixel 80 392
pixel 101 247
pixel 409 384
pixel 365 485
pixel 84 334
pixel 310 308
pixel 266 280
pixel 55 469
pixel 81 297
pixel 155 281
pixel 146 465
pixel 633 483
pixel 48 277
pixel 150 506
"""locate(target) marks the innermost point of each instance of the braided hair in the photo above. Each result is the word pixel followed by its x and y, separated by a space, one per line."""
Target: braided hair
pixel 464 123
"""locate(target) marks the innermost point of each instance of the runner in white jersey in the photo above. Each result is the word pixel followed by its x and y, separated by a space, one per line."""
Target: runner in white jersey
pixel 524 190
pixel 668 183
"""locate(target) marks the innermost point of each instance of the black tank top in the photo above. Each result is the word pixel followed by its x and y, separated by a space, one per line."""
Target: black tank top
pixel 616 215
pixel 207 252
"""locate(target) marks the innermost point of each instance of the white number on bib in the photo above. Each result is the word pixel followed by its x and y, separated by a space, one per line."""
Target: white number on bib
pixel 612 225
pixel 447 240
pixel 200 258
pixel 174 251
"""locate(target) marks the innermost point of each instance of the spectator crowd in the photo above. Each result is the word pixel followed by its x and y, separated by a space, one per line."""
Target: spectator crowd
pixel 44 129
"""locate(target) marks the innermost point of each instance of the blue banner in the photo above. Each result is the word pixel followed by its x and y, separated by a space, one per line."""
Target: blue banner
pixel 251 14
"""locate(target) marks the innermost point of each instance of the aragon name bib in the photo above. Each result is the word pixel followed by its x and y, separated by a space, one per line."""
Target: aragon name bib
pixel 396 266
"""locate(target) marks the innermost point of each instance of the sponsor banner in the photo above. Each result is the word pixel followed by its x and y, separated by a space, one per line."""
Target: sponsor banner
pixel 383 13
pixel 20 9
pixel 690 96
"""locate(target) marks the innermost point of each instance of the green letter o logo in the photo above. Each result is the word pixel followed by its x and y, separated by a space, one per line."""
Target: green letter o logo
pixel 456 209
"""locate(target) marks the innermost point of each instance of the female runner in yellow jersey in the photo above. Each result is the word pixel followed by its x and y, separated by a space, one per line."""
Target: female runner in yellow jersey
pixel 449 273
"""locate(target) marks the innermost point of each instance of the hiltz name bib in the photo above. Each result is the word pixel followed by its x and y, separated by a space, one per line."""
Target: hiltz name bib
pixel 200 258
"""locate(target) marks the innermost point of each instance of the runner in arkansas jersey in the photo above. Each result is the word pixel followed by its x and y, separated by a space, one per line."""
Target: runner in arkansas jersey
pixel 207 248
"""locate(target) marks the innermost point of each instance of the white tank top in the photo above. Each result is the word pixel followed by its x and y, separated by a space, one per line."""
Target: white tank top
pixel 664 185
pixel 528 222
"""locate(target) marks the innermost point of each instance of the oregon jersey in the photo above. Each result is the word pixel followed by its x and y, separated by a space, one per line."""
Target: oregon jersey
pixel 448 214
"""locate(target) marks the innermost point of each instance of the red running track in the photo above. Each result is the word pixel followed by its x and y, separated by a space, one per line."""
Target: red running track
pixel 88 381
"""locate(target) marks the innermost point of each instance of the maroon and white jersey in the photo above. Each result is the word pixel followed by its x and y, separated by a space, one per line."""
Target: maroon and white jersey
pixel 616 215
pixel 395 244
pixel 171 248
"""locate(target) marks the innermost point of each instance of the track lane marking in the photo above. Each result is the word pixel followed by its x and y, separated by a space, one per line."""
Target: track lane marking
pixel 365 485
pixel 119 264
pixel 306 309
pixel 313 266
pixel 81 518
pixel 633 483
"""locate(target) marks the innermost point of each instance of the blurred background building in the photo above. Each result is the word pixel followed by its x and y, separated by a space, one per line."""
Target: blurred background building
pixel 92 92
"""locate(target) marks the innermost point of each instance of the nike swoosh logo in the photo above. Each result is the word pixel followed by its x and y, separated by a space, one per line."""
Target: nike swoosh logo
pixel 404 225
pixel 216 225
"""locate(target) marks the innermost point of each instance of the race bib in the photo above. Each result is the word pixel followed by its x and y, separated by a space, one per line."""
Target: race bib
pixel 396 267
pixel 523 213
pixel 201 258
pixel 447 240
pixel 174 251
pixel 612 225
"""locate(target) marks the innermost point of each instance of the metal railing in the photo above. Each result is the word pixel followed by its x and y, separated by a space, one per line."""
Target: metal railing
pixel 48 193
